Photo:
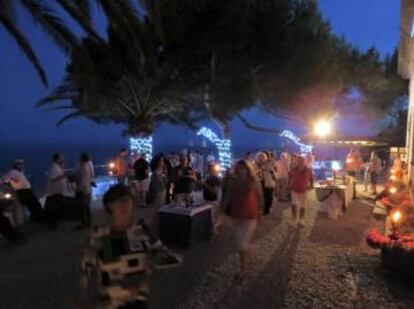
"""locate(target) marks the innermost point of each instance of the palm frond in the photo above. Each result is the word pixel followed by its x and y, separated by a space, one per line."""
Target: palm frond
pixel 51 23
pixel 77 114
pixel 84 6
pixel 24 46
pixel 79 16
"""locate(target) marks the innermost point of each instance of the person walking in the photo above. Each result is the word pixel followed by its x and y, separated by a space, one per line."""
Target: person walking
pixel 267 178
pixel 121 166
pixel 242 200
pixel 282 166
pixel 24 193
pixel 301 183
pixel 85 175
pixel 374 170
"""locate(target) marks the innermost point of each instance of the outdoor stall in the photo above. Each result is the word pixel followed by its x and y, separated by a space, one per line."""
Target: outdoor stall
pixel 338 177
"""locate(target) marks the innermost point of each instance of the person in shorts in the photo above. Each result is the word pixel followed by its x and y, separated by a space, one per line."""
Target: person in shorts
pixel 243 200
pixel 301 183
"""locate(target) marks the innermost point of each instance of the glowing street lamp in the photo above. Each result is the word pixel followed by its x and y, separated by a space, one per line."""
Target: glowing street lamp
pixel 323 128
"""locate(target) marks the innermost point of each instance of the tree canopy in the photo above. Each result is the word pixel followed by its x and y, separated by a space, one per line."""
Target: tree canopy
pixel 185 59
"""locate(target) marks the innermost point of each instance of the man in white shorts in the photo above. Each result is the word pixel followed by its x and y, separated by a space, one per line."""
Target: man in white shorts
pixel 301 183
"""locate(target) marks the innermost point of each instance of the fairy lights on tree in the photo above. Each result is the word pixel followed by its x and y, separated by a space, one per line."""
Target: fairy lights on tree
pixel 141 145
pixel 223 146
pixel 304 148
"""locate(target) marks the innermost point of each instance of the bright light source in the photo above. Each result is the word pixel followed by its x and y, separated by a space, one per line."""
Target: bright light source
pixel 217 168
pixel 7 196
pixel 349 161
pixel 393 190
pixel 393 171
pixel 111 165
pixel 336 166
pixel 393 178
pixel 323 128
pixel 396 216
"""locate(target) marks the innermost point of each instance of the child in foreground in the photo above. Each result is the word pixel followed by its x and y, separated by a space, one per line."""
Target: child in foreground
pixel 118 260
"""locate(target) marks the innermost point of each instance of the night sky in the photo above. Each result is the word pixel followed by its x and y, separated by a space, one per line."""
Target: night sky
pixel 364 23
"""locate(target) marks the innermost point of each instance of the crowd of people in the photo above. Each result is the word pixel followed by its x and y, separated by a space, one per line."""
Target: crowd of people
pixel 246 192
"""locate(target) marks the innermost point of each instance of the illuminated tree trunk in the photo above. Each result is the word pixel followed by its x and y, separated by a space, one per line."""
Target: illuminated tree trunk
pixel 142 145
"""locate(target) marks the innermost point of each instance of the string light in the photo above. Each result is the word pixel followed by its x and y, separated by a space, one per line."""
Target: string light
pixel 304 148
pixel 141 145
pixel 223 146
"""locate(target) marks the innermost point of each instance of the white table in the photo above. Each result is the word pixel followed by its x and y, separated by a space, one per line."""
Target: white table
pixel 334 199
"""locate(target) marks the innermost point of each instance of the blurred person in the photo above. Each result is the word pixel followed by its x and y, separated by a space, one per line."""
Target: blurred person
pixel 352 163
pixel 85 175
pixel 374 170
pixel 141 181
pixel 159 180
pixel 242 200
pixel 184 181
pixel 267 178
pixel 301 183
pixel 282 175
pixel 211 191
pixel 309 160
pixel 58 203
pixel 121 166
pixel 23 191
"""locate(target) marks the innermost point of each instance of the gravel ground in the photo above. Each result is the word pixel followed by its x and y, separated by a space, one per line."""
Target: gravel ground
pixel 324 265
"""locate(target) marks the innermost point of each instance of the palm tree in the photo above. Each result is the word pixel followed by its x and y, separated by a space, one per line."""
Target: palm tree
pixel 48 19
pixel 128 78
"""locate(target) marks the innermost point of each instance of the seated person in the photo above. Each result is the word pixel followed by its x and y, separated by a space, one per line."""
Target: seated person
pixel 119 257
